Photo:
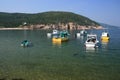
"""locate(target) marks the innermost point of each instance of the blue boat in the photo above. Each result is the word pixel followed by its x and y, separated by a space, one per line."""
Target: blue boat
pixel 26 43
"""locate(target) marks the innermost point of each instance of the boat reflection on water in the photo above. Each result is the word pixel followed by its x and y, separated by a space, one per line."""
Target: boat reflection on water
pixel 104 44
pixel 58 44
pixel 90 49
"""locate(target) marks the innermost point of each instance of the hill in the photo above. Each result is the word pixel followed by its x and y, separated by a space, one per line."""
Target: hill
pixel 52 17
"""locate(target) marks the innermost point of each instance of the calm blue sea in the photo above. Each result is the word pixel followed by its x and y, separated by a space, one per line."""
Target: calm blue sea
pixel 70 60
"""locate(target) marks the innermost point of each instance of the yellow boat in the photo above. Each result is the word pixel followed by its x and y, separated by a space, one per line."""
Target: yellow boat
pixel 60 39
pixel 63 36
pixel 105 36
pixel 105 40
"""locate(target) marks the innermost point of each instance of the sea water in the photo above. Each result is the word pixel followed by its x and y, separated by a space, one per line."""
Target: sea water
pixel 70 60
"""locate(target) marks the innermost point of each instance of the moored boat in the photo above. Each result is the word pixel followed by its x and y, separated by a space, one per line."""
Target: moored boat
pixel 91 40
pixel 60 39
pixel 63 36
pixel 83 33
pixel 55 33
pixel 25 43
pixel 105 36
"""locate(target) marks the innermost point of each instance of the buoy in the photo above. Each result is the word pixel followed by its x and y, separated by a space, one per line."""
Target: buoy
pixel 49 35
pixel 78 34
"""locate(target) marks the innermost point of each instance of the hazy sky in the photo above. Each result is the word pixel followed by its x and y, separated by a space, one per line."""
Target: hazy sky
pixel 105 11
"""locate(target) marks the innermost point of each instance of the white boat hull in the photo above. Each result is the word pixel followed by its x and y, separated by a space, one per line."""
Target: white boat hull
pixel 91 45
pixel 91 41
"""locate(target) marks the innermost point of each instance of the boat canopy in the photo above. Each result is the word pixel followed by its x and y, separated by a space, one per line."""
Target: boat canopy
pixel 105 34
pixel 91 36
pixel 64 34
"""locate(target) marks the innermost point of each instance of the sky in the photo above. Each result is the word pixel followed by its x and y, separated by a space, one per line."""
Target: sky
pixel 103 11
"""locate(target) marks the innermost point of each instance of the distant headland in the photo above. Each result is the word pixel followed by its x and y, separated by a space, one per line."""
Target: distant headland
pixel 46 20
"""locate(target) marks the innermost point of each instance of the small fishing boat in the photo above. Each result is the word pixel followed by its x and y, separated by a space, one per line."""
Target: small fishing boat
pixel 55 33
pixel 83 32
pixel 91 40
pixel 25 43
pixel 63 36
pixel 105 36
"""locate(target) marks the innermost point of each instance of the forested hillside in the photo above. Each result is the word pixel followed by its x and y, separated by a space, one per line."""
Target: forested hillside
pixel 53 17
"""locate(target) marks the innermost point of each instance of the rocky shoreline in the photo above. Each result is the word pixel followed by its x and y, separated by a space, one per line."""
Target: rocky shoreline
pixel 38 28
pixel 69 26
pixel 97 28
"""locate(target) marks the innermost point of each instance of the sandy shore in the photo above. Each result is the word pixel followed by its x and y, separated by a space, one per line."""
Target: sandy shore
pixel 14 28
